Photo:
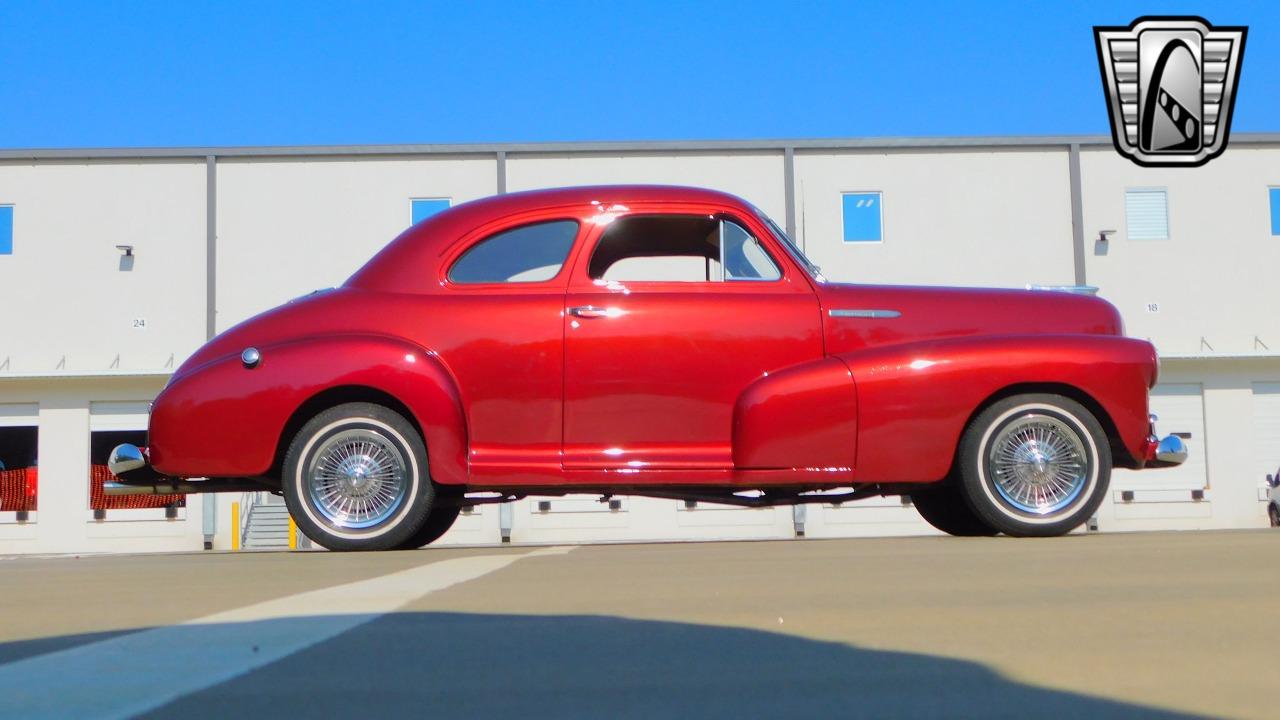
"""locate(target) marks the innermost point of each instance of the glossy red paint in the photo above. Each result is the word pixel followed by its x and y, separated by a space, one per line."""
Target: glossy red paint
pixel 732 384
pixel 653 383
pixel 197 434
pixel 916 398
pixel 803 416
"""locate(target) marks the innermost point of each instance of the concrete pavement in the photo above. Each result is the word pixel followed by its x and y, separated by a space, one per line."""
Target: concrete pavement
pixel 1147 625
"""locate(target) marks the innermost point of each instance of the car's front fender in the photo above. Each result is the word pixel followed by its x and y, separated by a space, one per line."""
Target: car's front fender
pixel 914 399
pixel 226 420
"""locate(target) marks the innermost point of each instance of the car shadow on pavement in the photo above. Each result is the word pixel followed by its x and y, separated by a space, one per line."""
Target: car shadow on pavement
pixel 452 665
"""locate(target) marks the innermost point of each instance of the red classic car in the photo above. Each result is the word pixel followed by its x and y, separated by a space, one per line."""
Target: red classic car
pixel 655 341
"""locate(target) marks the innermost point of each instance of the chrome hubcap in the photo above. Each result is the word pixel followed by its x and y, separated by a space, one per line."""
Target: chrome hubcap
pixel 357 479
pixel 1038 464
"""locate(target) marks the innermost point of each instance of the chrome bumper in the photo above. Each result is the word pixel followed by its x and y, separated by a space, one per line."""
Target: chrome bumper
pixel 1169 451
pixel 126 458
pixel 129 463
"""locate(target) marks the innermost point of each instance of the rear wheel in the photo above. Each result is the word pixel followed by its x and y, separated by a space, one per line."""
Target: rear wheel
pixel 355 478
pixel 1034 465
pixel 943 507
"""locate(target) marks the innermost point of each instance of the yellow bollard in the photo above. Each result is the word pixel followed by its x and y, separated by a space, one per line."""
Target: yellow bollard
pixel 235 526
pixel 293 534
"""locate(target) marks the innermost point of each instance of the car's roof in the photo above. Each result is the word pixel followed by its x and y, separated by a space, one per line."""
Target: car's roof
pixel 553 197
pixel 409 253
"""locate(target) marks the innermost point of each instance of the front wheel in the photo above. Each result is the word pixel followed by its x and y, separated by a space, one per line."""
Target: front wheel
pixel 1034 465
pixel 355 478
pixel 1273 514
pixel 943 507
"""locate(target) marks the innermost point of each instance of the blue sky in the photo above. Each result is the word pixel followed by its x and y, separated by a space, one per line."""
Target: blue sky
pixel 253 73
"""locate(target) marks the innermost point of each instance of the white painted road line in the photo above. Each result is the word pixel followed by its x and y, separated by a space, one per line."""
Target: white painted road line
pixel 131 674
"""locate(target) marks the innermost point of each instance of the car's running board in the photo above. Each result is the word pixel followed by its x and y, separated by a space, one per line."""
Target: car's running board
pixel 171 486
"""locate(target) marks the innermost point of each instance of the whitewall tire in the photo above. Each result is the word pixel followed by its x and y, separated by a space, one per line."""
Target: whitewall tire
pixel 1034 465
pixel 355 478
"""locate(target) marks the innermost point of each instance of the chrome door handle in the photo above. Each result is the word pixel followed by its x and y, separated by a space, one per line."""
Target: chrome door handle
pixel 589 311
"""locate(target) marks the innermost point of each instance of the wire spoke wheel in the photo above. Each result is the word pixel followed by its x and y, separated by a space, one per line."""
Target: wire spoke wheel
pixel 357 478
pixel 1038 464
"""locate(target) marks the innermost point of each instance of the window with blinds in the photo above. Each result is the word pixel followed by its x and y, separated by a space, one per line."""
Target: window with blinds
pixel 1146 214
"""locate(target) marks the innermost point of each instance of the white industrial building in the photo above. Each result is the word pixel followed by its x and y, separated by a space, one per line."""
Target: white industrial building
pixel 116 264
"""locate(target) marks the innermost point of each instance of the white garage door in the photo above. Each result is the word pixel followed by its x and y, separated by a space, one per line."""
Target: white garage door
pixel 118 415
pixel 1181 410
pixel 1266 429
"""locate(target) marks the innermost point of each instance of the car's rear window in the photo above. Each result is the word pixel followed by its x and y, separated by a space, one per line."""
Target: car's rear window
pixel 529 253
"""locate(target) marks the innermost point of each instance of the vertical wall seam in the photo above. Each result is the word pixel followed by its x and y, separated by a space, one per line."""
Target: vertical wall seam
pixel 789 188
pixel 211 246
pixel 501 157
pixel 1077 213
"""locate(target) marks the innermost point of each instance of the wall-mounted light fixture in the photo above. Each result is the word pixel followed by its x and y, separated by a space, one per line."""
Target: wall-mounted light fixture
pixel 1102 235
pixel 126 257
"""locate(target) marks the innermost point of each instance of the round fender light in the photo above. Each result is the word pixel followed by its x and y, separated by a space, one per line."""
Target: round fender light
pixel 250 357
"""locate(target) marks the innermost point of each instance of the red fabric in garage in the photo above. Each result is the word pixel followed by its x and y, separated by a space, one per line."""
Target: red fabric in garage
pixel 18 489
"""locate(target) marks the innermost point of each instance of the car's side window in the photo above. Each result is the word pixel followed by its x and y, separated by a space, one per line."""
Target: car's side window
pixel 680 248
pixel 529 253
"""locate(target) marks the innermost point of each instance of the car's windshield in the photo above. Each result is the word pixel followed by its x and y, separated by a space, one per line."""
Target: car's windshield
pixel 796 253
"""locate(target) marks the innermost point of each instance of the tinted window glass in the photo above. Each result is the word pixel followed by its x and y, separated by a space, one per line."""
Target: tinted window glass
pixel 742 256
pixel 679 248
pixel 863 217
pixel 6 229
pixel 531 253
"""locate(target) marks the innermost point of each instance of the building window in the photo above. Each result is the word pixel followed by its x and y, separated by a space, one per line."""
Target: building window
pixel 1146 214
pixel 19 484
pixel 863 217
pixel 110 424
pixel 6 229
pixel 423 208
pixel 1275 210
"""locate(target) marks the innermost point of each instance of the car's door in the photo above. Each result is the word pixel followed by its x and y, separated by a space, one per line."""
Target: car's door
pixel 498 328
pixel 670 315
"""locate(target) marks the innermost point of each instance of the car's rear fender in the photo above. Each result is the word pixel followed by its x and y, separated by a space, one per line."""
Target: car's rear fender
pixel 228 420
pixel 915 399
pixel 802 416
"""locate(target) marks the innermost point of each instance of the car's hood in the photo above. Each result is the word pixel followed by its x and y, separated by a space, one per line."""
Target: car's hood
pixel 867 315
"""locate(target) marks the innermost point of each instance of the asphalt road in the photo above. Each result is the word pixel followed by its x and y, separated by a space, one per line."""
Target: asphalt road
pixel 1144 625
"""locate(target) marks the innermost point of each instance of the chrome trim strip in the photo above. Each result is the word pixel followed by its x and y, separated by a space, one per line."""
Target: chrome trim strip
pixel 880 314
pixel 1076 289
